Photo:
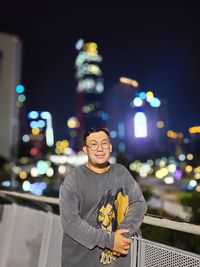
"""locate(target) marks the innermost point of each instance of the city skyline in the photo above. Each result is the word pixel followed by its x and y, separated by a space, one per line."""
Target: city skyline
pixel 158 48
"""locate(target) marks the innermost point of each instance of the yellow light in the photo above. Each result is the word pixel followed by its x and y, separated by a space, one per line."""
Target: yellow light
pixel 190 156
pixel 188 168
pixel 197 176
pixel 73 122
pixel 180 135
pixel 24 160
pixel 58 150
pixel 198 188
pixel 134 83
pixel 61 146
pixel 159 175
pixel 172 134
pixel 64 143
pixel 149 95
pixel 19 104
pixel 133 166
pixel 125 80
pixel 23 175
pixel 160 124
pixel 162 163
pixel 162 173
pixel 94 69
pixel 172 168
pixel 198 169
pixel 194 129
pixel 6 167
pixel 35 131
pixel 91 48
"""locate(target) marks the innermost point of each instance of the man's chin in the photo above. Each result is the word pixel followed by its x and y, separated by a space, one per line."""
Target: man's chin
pixel 102 164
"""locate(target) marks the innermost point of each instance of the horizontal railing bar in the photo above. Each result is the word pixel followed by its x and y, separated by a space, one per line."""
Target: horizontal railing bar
pixel 151 220
pixel 50 200
pixel 174 225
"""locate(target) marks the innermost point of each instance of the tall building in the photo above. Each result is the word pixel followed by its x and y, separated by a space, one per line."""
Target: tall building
pixel 10 69
pixel 90 88
pixel 138 120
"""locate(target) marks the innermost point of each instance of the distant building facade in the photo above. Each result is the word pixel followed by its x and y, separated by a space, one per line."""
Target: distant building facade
pixel 10 72
pixel 138 121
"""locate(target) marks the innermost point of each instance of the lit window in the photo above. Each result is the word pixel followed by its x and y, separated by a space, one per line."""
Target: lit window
pixel 140 125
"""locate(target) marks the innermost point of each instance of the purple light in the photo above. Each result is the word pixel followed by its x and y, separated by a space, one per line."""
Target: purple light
pixel 178 174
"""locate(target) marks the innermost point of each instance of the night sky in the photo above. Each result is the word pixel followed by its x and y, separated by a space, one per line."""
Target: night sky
pixel 159 46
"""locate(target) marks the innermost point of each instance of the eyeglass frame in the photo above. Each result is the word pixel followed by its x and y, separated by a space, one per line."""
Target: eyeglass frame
pixel 97 143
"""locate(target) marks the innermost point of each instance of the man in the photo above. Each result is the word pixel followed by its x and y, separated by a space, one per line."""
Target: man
pixel 101 206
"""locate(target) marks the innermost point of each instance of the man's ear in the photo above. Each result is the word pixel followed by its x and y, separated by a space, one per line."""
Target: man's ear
pixel 85 150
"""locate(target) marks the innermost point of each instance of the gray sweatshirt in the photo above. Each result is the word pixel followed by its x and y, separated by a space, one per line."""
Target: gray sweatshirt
pixel 92 207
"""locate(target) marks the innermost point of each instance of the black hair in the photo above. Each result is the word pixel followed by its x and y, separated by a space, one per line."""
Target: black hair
pixel 95 130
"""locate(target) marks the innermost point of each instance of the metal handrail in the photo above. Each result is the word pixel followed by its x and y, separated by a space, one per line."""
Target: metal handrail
pixel 148 219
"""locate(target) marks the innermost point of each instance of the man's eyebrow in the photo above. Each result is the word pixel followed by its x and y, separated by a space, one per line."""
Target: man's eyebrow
pixel 93 140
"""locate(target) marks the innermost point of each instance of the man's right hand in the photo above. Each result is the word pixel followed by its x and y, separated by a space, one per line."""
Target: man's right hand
pixel 121 243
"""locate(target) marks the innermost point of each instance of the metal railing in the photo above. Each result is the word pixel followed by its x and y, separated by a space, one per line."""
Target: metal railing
pixel 32 238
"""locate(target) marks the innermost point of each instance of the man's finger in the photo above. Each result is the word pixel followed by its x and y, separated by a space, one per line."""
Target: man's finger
pixel 126 247
pixel 125 251
pixel 127 240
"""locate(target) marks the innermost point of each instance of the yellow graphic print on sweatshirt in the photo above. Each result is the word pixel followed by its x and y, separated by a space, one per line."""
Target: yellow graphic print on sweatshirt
pixel 111 212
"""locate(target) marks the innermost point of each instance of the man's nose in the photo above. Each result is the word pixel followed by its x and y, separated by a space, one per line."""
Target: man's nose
pixel 100 148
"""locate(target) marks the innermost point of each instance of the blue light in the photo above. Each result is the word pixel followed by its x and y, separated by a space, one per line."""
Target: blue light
pixel 42 166
pixel 113 134
pixel 121 130
pixel 26 138
pixel 79 44
pixel 37 188
pixel 34 124
pixel 41 124
pixel 186 140
pixel 122 147
pixel 155 102
pixel 6 183
pixel 20 89
pixel 45 115
pixel 142 95
pixel 33 115
pixel 26 186
pixel 104 115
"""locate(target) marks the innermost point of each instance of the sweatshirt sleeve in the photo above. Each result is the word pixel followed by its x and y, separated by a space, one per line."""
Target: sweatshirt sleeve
pixel 73 225
pixel 136 211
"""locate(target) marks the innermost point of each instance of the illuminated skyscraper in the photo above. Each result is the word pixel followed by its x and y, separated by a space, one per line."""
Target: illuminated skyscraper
pixel 90 87
pixel 10 68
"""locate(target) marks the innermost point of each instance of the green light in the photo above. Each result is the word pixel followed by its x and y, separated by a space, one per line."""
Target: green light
pixel 21 98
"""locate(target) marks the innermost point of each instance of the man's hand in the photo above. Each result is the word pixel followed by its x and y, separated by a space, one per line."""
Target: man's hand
pixel 121 243
pixel 116 254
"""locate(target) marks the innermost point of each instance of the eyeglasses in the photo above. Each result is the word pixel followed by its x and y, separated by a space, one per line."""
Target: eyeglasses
pixel 94 145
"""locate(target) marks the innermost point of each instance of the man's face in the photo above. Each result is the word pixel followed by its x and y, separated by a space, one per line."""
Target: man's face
pixel 98 148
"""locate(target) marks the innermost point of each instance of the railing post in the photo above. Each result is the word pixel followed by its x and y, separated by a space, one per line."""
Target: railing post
pixel 8 226
pixel 45 241
pixel 134 251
